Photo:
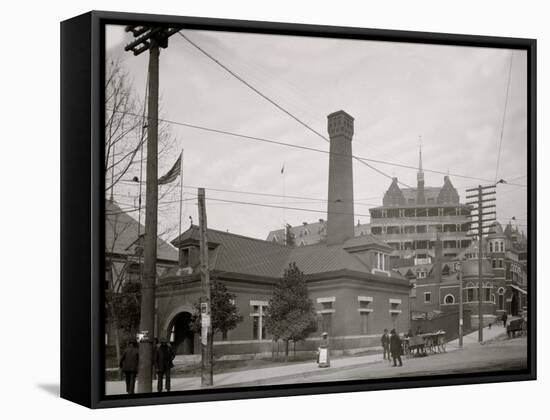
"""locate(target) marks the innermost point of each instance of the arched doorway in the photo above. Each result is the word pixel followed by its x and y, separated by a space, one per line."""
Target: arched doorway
pixel 180 334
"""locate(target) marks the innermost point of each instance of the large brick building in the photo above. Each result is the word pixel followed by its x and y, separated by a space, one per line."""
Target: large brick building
pixel 349 279
pixel 409 219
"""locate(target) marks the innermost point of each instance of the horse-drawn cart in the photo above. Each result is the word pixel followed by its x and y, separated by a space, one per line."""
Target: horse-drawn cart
pixel 422 344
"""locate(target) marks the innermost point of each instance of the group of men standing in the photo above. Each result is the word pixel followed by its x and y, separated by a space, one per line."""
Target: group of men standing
pixel 163 361
pixel 391 345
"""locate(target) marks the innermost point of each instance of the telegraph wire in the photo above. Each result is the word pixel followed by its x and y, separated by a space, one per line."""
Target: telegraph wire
pixel 312 149
pixel 504 114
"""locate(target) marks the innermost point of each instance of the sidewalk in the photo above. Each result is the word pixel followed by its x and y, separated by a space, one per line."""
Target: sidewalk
pixel 301 369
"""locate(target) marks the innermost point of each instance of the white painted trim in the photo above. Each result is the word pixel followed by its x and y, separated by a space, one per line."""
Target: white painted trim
pixel 377 270
pixel 258 303
pixel 326 299
pixel 367 310
pixel 364 298
pixel 326 311
pixel 395 301
pixel 395 311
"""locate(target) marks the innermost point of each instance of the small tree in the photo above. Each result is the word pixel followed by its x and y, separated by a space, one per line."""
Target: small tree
pixel 126 309
pixel 290 315
pixel 223 311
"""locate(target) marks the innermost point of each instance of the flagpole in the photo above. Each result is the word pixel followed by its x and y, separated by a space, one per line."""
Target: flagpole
pixel 181 188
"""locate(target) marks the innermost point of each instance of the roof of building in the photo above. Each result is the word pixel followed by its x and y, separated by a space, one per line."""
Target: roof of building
pixel 233 253
pixel 121 234
pixel 397 196
pixel 311 233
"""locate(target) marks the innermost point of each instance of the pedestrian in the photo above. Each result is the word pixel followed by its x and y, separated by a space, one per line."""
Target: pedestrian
pixel 129 365
pixel 156 344
pixel 385 340
pixel 164 361
pixel 395 348
pixel 504 319
pixel 323 352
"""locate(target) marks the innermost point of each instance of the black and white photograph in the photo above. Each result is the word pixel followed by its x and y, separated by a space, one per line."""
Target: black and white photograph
pixel 286 209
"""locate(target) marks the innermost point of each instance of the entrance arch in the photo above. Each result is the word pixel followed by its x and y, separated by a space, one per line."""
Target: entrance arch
pixel 180 333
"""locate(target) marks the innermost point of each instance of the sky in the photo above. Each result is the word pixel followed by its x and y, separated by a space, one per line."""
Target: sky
pixel 453 98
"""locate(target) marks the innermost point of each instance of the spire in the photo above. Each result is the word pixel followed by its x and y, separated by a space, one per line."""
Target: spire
pixel 420 175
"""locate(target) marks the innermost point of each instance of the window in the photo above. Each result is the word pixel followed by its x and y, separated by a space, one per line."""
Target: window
pixel 500 263
pixel 490 247
pixel 487 294
pixel 470 294
pixel 184 257
pixel 494 263
pixel 449 299
pixel 427 297
pixel 258 327
pixel 421 274
pixel 500 303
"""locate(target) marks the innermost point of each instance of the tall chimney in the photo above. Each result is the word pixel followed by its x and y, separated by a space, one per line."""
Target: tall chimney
pixel 340 223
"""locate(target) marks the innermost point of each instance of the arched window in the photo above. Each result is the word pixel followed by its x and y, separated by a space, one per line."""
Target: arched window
pixel 500 303
pixel 449 299
pixel 490 247
pixel 502 246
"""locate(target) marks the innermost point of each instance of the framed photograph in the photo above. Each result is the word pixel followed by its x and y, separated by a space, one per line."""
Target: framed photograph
pixel 256 209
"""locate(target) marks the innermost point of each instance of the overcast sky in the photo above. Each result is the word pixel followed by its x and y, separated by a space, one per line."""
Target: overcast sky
pixel 453 97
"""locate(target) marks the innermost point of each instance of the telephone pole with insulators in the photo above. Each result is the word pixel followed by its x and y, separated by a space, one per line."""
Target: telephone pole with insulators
pixel 152 39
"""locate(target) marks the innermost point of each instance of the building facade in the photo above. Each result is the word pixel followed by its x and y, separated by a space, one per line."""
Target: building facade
pixel 410 218
pixel 349 278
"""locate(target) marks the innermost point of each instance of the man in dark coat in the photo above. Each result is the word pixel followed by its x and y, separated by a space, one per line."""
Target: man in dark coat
pixel 164 362
pixel 385 340
pixel 504 319
pixel 129 363
pixel 395 348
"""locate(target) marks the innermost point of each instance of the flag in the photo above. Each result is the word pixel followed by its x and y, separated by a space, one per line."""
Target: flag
pixel 283 168
pixel 172 174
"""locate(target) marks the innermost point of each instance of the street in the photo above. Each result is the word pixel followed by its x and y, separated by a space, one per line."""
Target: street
pixel 499 355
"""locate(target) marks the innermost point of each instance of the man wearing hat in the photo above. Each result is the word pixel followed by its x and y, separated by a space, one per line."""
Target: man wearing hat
pixel 164 357
pixel 395 348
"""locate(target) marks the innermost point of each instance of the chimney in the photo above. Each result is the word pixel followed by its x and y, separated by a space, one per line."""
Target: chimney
pixel 340 223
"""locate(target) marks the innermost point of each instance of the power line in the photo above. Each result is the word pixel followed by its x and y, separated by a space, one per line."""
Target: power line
pixel 281 108
pixel 312 149
pixel 504 114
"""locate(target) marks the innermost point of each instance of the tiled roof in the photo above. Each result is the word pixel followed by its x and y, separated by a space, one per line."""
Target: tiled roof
pixel 311 233
pixel 244 255
pixel 241 254
pixel 121 234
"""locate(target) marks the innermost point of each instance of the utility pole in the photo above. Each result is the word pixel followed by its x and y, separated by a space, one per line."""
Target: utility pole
pixel 482 196
pixel 152 39
pixel 206 319
pixel 460 305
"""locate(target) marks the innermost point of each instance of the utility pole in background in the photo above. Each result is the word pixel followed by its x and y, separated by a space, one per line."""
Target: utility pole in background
pixel 207 377
pixel 152 39
pixel 460 305
pixel 484 213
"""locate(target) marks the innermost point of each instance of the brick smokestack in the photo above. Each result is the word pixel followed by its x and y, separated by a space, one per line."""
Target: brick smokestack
pixel 340 223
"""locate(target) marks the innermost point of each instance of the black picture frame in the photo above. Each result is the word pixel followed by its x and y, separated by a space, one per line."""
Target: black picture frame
pixel 82 207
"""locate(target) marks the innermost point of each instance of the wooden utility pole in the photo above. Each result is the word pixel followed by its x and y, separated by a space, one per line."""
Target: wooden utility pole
pixel 207 377
pixel 460 305
pixel 151 39
pixel 481 197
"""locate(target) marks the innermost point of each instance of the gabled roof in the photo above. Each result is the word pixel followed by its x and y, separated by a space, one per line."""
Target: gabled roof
pixel 238 254
pixel 121 234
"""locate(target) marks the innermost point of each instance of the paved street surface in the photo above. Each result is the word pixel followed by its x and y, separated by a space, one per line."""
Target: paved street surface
pixel 495 354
